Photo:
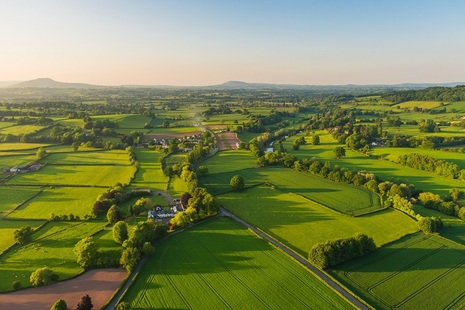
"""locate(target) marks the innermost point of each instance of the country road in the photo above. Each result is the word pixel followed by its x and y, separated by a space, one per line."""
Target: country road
pixel 357 303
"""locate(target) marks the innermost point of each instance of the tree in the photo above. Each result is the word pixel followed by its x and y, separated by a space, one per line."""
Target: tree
pixel 148 249
pixel 85 303
pixel 129 258
pixel 23 235
pixel 16 285
pixel 120 232
pixel 123 306
pixel 40 153
pixel 87 253
pixel 316 139
pixel 237 183
pixel 202 171
pixel 114 214
pixel 75 146
pixel 43 276
pixel 339 152
pixel 60 304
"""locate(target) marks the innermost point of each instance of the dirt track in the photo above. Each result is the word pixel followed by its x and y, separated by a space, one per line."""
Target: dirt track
pixel 227 140
pixel 99 284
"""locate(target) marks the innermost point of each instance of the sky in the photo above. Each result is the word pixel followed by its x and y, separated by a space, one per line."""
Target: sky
pixel 201 42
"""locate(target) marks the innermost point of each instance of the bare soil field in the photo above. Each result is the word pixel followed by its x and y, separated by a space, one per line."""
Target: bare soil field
pixel 98 284
pixel 227 140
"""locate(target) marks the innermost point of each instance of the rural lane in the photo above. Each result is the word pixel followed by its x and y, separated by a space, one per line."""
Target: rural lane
pixel 299 258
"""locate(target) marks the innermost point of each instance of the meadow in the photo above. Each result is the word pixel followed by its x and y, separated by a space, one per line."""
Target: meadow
pixel 52 246
pixel 416 272
pixel 20 129
pixel 228 161
pixel 220 264
pixel 7 229
pixel 113 157
pixel 149 174
pixel 384 169
pixel 300 223
pixel 342 197
pixel 9 147
pixel 13 196
pixel 60 201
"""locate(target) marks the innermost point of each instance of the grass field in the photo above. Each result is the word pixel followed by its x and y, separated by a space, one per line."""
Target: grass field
pixel 417 272
pixel 149 174
pixel 342 197
pixel 94 175
pixel 7 229
pixel 61 201
pixel 220 264
pixel 13 196
pixel 113 157
pixel 52 246
pixel 14 160
pixel 246 136
pixel 227 161
pixel 300 223
pixel 421 104
pixel 20 129
pixel 384 169
pixel 134 121
pixel 177 187
pixel 21 146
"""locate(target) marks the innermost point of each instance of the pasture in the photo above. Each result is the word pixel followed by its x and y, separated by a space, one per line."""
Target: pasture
pixel 20 129
pixel 8 147
pixel 420 104
pixel 74 175
pixel 416 272
pixel 113 157
pixel 342 197
pixel 149 174
pixel 7 229
pixel 52 246
pixel 220 264
pixel 60 201
pixel 13 196
pixel 228 161
pixel 300 223
pixel 384 169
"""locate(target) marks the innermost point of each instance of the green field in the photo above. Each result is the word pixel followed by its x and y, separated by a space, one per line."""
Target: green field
pixel 417 272
pixel 7 229
pixel 220 264
pixel 300 223
pixel 227 161
pixel 94 175
pixel 113 157
pixel 149 174
pixel 342 197
pixel 421 104
pixel 52 246
pixel 20 146
pixel 61 201
pixel 384 169
pixel 133 122
pixel 20 129
pixel 11 197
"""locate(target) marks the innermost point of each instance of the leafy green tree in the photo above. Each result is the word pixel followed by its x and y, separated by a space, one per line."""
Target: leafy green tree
pixel 114 214
pixel 237 183
pixel 120 232
pixel 40 153
pixel 202 171
pixel 87 253
pixel 123 306
pixel 339 152
pixel 75 146
pixel 148 249
pixel 60 304
pixel 129 258
pixel 23 235
pixel 85 303
pixel 43 276
pixel 16 285
pixel 316 139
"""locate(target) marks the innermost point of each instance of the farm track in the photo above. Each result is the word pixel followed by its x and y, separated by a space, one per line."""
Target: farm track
pixel 348 295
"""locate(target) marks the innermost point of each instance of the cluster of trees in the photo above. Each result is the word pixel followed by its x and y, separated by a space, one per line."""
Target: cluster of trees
pixel 298 142
pixel 445 206
pixel 334 252
pixel 64 217
pixel 428 125
pixel 23 235
pixel 138 242
pixel 258 122
pixel 84 304
pixel 43 276
pixel 40 121
pixel 447 94
pixel 431 164
pixel 276 158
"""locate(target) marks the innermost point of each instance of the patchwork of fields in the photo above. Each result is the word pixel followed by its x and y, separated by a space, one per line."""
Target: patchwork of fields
pixel 220 264
pixel 417 272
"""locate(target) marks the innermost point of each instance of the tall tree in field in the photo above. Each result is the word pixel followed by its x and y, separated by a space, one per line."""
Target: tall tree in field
pixel 86 252
pixel 23 235
pixel 85 303
pixel 40 153
pixel 237 183
pixel 316 139
pixel 339 152
pixel 60 304
pixel 120 232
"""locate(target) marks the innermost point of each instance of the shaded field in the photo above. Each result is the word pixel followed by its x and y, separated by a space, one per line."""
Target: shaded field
pixel 220 264
pixel 342 197
pixel 7 229
pixel 12 196
pixel 51 246
pixel 133 121
pixel 149 174
pixel 60 201
pixel 300 223
pixel 100 284
pixel 417 272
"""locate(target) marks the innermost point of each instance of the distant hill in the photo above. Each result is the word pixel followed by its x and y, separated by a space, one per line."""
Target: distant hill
pixel 49 83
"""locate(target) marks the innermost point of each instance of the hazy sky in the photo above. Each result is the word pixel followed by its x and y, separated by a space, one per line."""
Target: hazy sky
pixel 196 42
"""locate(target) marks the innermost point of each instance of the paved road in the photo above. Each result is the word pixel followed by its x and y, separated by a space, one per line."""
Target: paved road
pixel 299 258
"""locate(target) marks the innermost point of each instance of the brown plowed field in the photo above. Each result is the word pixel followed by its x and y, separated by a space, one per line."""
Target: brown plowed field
pixel 227 140
pixel 98 284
